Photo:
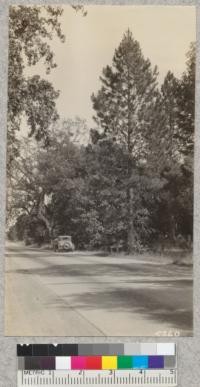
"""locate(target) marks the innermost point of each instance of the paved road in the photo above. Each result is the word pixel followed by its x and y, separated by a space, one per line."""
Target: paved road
pixel 80 294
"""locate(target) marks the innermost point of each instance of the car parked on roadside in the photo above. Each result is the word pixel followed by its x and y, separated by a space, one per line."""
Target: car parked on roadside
pixel 63 243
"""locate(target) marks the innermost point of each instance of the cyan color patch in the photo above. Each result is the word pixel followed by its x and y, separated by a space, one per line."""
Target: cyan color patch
pixel 140 362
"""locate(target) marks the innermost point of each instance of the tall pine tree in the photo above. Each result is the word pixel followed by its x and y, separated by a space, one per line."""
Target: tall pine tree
pixel 186 104
pixel 123 108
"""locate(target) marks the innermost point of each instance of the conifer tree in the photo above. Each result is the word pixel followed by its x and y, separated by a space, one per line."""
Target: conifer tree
pixel 186 105
pixel 123 109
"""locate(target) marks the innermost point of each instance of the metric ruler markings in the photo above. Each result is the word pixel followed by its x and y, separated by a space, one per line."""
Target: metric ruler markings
pixel 116 378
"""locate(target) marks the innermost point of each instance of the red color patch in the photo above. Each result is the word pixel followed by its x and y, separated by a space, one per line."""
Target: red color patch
pixel 93 363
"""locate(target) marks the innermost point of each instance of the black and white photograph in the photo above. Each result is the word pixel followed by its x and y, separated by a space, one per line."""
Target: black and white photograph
pixel 100 152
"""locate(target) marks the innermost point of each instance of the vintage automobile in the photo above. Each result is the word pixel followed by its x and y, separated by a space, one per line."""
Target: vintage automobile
pixel 63 243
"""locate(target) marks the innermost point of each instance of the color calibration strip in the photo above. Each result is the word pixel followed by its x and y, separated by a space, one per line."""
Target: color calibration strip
pixel 117 349
pixel 96 362
pixel 100 365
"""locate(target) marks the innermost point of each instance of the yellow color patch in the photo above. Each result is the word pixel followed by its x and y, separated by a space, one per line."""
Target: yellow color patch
pixel 109 362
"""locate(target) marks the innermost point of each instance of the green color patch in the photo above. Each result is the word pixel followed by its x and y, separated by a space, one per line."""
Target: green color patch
pixel 124 362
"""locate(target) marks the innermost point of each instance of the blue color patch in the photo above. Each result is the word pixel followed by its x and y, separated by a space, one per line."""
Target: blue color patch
pixel 140 362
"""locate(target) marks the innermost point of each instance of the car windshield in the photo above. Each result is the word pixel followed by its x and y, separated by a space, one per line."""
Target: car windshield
pixel 64 238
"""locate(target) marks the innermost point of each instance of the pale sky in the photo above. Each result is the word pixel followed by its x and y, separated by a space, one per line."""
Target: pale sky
pixel 164 33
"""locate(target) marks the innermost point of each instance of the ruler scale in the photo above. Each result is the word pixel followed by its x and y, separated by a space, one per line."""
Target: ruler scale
pixel 101 365
pixel 160 378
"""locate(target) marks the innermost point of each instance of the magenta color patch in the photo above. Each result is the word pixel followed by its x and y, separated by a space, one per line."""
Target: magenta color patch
pixel 78 362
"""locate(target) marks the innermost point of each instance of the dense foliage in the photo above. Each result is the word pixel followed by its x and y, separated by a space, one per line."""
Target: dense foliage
pixel 31 97
pixel 132 184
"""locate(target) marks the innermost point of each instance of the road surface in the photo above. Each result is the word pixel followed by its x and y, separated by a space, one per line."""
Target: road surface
pixel 83 294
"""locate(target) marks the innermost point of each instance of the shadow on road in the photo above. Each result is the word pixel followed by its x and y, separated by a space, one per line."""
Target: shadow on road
pixel 169 302
pixel 81 270
pixel 153 304
pixel 129 288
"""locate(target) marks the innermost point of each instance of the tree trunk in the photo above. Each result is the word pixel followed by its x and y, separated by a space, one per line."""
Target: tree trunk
pixel 131 231
pixel 173 229
pixel 42 216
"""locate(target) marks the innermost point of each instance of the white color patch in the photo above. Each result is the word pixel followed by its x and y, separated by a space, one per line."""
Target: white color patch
pixel 63 363
pixel 166 349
